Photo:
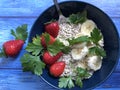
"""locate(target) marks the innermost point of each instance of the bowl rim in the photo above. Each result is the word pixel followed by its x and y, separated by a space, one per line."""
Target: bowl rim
pixel 117 34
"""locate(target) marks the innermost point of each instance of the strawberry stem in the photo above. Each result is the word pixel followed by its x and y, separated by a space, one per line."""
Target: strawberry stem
pixel 2 53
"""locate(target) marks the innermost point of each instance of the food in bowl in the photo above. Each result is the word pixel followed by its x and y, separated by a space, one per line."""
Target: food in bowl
pixel 73 51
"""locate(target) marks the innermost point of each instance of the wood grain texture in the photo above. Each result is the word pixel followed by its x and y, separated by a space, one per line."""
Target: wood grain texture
pixel 17 12
pixel 16 79
pixel 32 8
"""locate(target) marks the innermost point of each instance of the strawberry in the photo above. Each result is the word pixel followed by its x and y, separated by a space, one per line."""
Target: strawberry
pixel 49 59
pixel 43 41
pixel 52 28
pixel 13 47
pixel 57 68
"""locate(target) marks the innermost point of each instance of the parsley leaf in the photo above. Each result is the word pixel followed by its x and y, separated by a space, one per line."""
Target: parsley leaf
pixel 57 47
pixel 32 63
pixel 47 38
pixel 65 82
pixel 96 36
pixel 79 82
pixel 78 18
pixel 78 40
pixel 81 73
pixel 97 51
pixel 21 32
pixel 35 47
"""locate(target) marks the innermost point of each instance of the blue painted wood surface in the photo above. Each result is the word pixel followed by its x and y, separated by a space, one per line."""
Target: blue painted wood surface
pixel 16 12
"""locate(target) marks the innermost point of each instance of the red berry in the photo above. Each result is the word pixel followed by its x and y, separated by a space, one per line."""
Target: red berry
pixel 12 47
pixel 49 59
pixel 57 68
pixel 52 28
pixel 43 42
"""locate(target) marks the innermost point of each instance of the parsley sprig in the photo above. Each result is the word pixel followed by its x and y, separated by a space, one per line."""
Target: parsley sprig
pixel 95 37
pixel 81 74
pixel 35 47
pixel 80 17
pixel 32 63
pixel 68 82
pixel 57 47
pixel 65 82
pixel 79 40
pixel 31 60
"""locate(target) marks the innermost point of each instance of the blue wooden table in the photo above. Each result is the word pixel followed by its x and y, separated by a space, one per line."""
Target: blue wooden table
pixel 17 12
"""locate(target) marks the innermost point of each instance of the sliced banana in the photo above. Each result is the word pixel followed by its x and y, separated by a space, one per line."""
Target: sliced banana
pixel 81 64
pixel 87 27
pixel 79 35
pixel 101 42
pixel 79 53
pixel 94 62
pixel 65 42
pixel 79 45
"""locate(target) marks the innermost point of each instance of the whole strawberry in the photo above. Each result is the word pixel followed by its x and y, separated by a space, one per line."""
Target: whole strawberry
pixel 49 59
pixel 44 39
pixel 52 28
pixel 12 48
pixel 57 68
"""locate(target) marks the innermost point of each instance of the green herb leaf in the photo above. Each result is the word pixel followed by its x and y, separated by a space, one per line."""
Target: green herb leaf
pixel 21 32
pixel 35 47
pixel 81 74
pixel 96 36
pixel 47 38
pixel 78 18
pixel 2 52
pixel 97 51
pixel 79 82
pixel 78 40
pixel 65 82
pixel 57 47
pixel 32 63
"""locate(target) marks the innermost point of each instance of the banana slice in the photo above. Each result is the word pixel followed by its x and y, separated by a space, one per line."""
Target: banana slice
pixel 79 45
pixel 94 62
pixel 87 27
pixel 65 42
pixel 79 53
pixel 101 42
pixel 81 64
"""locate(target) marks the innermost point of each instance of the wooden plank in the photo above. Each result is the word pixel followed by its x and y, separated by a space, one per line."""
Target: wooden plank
pixel 18 80
pixel 6 24
pixel 33 8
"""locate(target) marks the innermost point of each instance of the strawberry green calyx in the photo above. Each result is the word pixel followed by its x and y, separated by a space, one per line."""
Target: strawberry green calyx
pixel 20 32
pixel 2 53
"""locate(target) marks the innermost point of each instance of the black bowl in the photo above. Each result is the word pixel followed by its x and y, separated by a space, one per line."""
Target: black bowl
pixel 104 23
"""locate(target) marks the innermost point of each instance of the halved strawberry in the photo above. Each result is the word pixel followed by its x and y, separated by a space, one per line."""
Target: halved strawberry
pixel 57 68
pixel 52 28
pixel 44 41
pixel 49 59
